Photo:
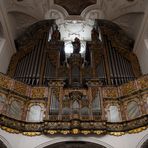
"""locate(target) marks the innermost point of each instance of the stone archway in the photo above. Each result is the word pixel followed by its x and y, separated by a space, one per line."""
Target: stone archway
pixel 71 141
pixel 4 143
pixel 143 143
pixel 74 144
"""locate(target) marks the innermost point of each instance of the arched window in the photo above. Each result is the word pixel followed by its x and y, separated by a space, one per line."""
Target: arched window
pixel 2 101
pixel 113 114
pixel 35 114
pixel 133 110
pixel 15 110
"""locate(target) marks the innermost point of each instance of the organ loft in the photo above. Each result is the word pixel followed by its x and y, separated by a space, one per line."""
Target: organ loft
pixel 92 92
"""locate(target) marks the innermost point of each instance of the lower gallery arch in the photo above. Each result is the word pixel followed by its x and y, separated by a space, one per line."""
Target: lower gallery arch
pixel 143 142
pixel 71 142
pixel 4 143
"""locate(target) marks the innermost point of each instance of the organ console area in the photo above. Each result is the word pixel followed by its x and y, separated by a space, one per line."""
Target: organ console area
pixel 101 91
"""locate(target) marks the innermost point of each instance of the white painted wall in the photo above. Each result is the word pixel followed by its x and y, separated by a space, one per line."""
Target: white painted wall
pixel 142 54
pixel 7 47
pixel 141 48
pixel 5 55
pixel 125 141
pixel 13 25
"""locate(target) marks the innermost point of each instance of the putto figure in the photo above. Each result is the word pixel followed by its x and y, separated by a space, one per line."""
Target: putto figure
pixel 76 45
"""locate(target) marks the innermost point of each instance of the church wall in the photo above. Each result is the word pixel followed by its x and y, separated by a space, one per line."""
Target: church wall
pixel 7 47
pixel 142 55
pixel 5 56
pixel 125 141
pixel 141 48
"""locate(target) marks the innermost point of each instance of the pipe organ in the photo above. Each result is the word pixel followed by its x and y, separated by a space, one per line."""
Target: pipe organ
pixel 75 92
pixel 108 58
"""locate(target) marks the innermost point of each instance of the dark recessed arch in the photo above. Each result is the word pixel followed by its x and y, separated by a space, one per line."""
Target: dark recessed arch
pixel 145 144
pixel 75 144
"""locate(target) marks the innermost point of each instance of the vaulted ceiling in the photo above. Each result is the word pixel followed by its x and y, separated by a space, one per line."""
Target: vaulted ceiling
pixel 127 13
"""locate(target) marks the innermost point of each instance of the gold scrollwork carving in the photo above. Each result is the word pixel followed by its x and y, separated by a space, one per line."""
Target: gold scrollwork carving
pixel 117 133
pixel 65 132
pixel 128 88
pixel 99 132
pixel 31 133
pixel 20 88
pixel 38 92
pixel 137 130
pixel 110 92
pixel 75 131
pixel 4 81
pixel 10 130
pixel 51 132
pixel 85 132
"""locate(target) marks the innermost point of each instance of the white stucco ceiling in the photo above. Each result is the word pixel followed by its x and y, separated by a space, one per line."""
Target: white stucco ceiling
pixel 75 25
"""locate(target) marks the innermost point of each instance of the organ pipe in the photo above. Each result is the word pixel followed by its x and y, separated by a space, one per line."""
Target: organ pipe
pixel 36 67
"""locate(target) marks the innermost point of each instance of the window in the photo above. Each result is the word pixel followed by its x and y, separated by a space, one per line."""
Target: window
pixel 35 114
pixel 15 110
pixel 113 114
pixel 133 110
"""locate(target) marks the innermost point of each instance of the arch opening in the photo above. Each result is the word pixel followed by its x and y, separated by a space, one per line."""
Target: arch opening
pixel 74 144
pixel 72 141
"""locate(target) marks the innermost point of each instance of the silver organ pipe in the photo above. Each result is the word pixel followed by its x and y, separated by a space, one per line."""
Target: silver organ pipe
pixel 119 67
pixel 33 64
pixel 36 67
pixel 26 68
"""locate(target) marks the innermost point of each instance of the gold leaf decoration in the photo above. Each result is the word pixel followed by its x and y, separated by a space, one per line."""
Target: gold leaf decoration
pixel 38 92
pixel 128 88
pixel 32 133
pixel 4 81
pixel 20 88
pixel 110 92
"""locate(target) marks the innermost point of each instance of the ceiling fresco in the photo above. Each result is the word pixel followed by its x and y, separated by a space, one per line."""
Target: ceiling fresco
pixel 75 7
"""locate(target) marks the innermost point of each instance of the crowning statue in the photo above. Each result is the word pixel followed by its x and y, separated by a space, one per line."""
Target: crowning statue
pixel 76 45
pixel 56 34
pixel 94 35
